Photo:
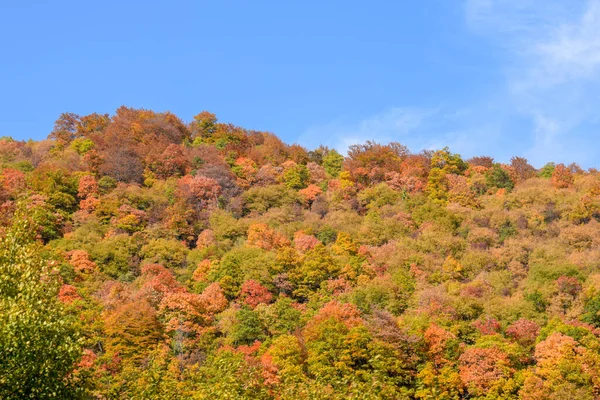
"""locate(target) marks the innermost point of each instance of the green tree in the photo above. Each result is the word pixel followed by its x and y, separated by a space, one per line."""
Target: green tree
pixel 443 163
pixel 498 177
pixel 296 177
pixel 332 163
pixel 39 344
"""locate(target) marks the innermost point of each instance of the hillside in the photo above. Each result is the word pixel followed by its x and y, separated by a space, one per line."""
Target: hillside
pixel 145 257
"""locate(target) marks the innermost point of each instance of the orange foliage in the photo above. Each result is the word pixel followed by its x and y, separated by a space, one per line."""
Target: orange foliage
pixel 562 177
pixel 310 193
pixel 87 187
pixel 68 294
pixel 262 236
pixel 436 338
pixel 201 271
pixel 482 368
pixel 346 313
pixel 206 239
pixel 81 261
pixel 200 189
pixel 13 181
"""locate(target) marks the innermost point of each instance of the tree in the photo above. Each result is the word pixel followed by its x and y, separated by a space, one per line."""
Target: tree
pixel 65 129
pixel 522 169
pixel 204 125
pixel 498 177
pixel 562 177
pixel 524 331
pixel 296 177
pixel 564 370
pixel 443 163
pixel 547 170
pixel 332 162
pixel 485 370
pixel 253 293
pixel 39 343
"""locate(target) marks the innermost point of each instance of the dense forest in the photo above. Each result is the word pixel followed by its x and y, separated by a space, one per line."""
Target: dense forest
pixel 143 257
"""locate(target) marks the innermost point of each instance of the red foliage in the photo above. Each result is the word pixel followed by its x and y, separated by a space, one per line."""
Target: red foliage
pixel 568 285
pixel 346 313
pixel 89 204
pixel 13 181
pixel 524 331
pixel 87 359
pixel 398 181
pixel 304 242
pixel 158 282
pixel 487 326
pixel 249 350
pixel 269 370
pixel 200 190
pixel 253 293
pixel 213 299
pixel 171 162
pixel 370 161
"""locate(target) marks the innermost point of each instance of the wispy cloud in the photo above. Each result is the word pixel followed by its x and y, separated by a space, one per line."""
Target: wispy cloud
pixel 417 128
pixel 546 107
pixel 552 69
pixel 393 124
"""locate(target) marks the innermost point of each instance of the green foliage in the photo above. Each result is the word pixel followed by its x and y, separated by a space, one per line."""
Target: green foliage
pixel 332 162
pixel 261 199
pixel 296 177
pixel 107 183
pixel 443 163
pixel 391 293
pixel 169 253
pixel 248 328
pixel 116 256
pixel 38 340
pixel 392 276
pixel 591 311
pixel 82 145
pixel 226 375
pixel 318 266
pixel 547 170
pixel 497 177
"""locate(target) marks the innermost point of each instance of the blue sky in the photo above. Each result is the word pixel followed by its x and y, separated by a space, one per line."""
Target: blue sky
pixel 494 77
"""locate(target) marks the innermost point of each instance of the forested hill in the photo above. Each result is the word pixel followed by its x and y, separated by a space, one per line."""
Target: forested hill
pixel 142 257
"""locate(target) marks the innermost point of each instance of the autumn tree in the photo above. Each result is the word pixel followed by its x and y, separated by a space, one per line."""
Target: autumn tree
pixel 562 177
pixel 443 163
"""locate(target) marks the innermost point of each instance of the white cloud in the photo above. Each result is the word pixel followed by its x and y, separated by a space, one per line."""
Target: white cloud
pixel 554 69
pixel 394 124
pixel 417 128
pixel 546 107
